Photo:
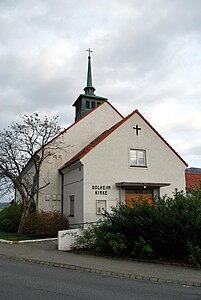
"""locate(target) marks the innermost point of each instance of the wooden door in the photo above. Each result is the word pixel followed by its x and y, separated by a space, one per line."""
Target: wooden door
pixel 138 195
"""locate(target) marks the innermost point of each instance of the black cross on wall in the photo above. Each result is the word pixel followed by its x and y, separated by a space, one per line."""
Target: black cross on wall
pixel 137 128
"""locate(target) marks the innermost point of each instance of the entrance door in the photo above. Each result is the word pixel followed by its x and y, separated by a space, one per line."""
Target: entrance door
pixel 138 195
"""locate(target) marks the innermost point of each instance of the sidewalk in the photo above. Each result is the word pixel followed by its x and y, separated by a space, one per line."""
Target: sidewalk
pixel 46 253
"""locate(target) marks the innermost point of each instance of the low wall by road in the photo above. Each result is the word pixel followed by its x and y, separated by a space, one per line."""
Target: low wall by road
pixel 66 238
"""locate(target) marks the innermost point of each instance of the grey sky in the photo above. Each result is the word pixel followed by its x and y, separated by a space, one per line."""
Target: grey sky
pixel 146 56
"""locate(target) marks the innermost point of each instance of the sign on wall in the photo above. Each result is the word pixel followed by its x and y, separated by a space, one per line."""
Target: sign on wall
pixel 101 189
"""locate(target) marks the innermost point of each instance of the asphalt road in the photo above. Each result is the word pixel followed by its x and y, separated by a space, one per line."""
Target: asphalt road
pixel 19 280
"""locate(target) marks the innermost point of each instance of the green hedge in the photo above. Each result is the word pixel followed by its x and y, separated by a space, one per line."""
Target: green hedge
pixel 164 230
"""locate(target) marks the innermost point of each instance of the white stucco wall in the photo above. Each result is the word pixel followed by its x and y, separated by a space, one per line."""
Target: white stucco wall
pixel 72 141
pixel 108 163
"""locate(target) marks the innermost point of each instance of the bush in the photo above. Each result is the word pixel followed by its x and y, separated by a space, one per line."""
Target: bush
pixel 98 239
pixel 178 221
pixel 45 224
pixel 142 249
pixel 194 254
pixel 10 217
pixel 164 229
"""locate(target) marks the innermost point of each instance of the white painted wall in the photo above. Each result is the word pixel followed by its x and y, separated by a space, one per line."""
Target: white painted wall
pixel 108 163
pixel 72 141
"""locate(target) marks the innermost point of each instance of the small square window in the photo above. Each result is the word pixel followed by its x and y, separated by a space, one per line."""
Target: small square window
pixel 87 104
pixel 47 197
pixel 137 157
pixel 54 197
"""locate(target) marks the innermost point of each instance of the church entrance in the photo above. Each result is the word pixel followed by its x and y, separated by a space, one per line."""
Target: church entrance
pixel 138 195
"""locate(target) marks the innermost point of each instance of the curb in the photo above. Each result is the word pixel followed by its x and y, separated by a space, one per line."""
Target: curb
pixel 104 272
pixel 27 241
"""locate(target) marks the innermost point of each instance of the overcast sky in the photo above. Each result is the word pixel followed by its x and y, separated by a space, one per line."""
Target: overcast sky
pixel 146 56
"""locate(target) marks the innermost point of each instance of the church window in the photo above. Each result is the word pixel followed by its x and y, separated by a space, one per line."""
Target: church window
pixel 137 158
pixel 72 205
pixel 93 104
pixel 87 104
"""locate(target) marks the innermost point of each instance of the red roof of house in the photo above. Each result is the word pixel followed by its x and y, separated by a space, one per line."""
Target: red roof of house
pixel 106 133
pixel 193 180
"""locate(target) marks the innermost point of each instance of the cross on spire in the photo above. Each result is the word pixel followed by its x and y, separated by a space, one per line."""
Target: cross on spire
pixel 89 50
pixel 89 89
pixel 137 128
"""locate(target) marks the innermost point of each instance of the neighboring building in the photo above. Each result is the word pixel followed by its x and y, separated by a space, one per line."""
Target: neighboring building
pixel 106 159
pixel 193 177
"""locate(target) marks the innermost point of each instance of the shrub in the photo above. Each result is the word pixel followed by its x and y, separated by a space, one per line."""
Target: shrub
pixel 100 239
pixel 194 254
pixel 163 229
pixel 178 221
pixel 142 249
pixel 45 224
pixel 10 217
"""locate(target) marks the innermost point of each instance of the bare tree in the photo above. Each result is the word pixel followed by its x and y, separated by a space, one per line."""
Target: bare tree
pixel 23 149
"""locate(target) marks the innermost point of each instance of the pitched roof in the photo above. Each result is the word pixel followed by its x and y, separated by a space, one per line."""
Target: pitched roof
pixel 106 133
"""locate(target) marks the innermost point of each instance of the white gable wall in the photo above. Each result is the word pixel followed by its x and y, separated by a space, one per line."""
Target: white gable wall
pixel 108 163
pixel 72 141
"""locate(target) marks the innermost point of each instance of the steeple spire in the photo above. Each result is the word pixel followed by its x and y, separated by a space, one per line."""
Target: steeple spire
pixel 89 89
pixel 88 101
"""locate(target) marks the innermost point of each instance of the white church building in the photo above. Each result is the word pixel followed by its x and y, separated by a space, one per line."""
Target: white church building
pixel 107 159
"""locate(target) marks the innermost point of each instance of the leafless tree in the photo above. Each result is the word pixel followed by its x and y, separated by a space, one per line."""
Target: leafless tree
pixel 23 149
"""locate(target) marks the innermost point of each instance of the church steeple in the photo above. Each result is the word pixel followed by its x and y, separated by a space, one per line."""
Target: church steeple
pixel 88 101
pixel 89 89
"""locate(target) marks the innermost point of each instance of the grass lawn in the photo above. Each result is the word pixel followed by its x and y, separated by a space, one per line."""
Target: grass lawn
pixel 15 237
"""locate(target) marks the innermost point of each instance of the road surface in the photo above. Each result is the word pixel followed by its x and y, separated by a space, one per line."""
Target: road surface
pixel 19 280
